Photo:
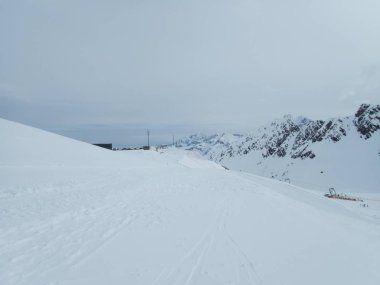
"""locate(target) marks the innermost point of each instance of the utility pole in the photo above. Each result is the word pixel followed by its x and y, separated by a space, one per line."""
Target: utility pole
pixel 173 140
pixel 148 133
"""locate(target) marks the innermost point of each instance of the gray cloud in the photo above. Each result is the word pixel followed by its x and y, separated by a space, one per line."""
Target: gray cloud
pixel 206 65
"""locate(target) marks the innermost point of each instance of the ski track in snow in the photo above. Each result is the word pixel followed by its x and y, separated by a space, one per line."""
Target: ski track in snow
pixel 69 235
pixel 216 258
pixel 86 215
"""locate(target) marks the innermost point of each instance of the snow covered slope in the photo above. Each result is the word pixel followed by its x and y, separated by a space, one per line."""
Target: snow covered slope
pixel 341 152
pixel 72 213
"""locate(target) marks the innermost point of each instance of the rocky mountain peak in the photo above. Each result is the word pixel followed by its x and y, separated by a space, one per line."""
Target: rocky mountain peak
pixel 367 120
pixel 288 136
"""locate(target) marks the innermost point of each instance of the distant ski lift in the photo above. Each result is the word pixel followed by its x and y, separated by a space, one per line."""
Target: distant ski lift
pixel 332 194
pixel 332 191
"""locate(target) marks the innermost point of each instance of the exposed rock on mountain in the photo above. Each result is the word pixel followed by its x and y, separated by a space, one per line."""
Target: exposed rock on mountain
pixel 367 120
pixel 289 140
pixel 287 136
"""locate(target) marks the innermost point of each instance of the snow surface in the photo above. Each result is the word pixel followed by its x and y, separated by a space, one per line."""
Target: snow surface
pixel 72 213
pixel 350 166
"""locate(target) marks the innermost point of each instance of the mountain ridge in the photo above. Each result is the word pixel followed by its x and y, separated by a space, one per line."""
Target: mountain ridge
pixel 295 139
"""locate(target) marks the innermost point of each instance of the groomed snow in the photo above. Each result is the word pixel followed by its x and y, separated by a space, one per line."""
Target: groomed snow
pixel 72 213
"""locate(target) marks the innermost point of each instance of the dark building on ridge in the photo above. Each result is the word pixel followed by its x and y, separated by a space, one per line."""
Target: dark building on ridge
pixel 104 145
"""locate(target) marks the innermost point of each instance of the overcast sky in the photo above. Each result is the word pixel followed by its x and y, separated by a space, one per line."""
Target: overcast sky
pixel 106 70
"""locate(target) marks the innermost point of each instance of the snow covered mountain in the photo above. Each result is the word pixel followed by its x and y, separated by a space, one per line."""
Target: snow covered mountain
pixel 339 152
pixel 74 214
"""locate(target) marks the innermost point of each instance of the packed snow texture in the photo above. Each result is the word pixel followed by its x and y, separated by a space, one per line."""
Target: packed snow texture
pixel 343 153
pixel 73 213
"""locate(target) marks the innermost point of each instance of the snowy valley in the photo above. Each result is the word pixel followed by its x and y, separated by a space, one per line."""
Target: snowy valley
pixel 343 153
pixel 73 213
